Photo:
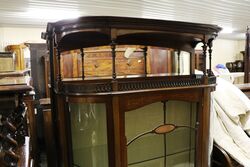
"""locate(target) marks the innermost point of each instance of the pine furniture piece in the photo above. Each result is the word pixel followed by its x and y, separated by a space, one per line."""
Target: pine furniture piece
pixel 122 119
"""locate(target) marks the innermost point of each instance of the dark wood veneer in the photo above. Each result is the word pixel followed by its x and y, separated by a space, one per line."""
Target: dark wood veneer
pixel 123 94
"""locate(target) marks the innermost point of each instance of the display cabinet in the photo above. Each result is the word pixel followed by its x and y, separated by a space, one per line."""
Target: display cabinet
pixel 119 117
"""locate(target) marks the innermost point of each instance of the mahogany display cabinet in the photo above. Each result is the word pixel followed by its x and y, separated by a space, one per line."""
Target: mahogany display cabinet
pixel 117 117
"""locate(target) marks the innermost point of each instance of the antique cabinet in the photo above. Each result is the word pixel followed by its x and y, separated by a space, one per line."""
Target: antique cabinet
pixel 17 124
pixel 112 116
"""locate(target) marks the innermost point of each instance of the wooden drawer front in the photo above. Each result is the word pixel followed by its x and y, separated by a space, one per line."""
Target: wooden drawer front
pixel 99 63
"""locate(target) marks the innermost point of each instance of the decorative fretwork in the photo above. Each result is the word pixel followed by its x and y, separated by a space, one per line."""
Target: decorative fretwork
pixel 157 84
pixel 127 86
pixel 212 80
pixel 118 93
pixel 88 88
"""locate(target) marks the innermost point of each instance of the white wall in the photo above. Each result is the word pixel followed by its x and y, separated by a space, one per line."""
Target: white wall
pixel 17 35
pixel 226 51
pixel 242 44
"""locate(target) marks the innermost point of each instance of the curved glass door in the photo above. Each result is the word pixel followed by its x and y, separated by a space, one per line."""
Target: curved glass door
pixel 89 134
pixel 176 148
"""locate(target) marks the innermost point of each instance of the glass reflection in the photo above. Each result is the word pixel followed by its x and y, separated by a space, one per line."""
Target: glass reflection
pixel 89 134
pixel 84 117
pixel 181 63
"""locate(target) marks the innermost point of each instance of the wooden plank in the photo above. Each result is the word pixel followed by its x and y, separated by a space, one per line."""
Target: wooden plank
pixel 15 88
pixel 32 125
pixel 24 153
pixel 49 138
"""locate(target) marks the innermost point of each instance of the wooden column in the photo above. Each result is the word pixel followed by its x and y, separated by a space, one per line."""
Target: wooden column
pixel 32 125
pixel 202 145
pixel 49 139
pixel 46 74
pixel 113 47
pixel 178 61
pixel 210 45
pixel 64 157
pixel 82 56
pixel 145 49
pixel 59 74
pixel 53 99
pixel 119 134
pixel 204 48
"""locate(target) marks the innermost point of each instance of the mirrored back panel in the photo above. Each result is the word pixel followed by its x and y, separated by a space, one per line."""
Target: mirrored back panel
pixel 130 60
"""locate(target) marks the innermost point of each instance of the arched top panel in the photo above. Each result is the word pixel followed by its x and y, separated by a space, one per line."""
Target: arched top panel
pixel 102 30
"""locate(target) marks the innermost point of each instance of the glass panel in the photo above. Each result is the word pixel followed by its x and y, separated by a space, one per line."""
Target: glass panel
pixel 139 121
pixel 184 63
pixel 151 163
pixel 148 151
pixel 182 159
pixel 89 134
pixel 180 113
